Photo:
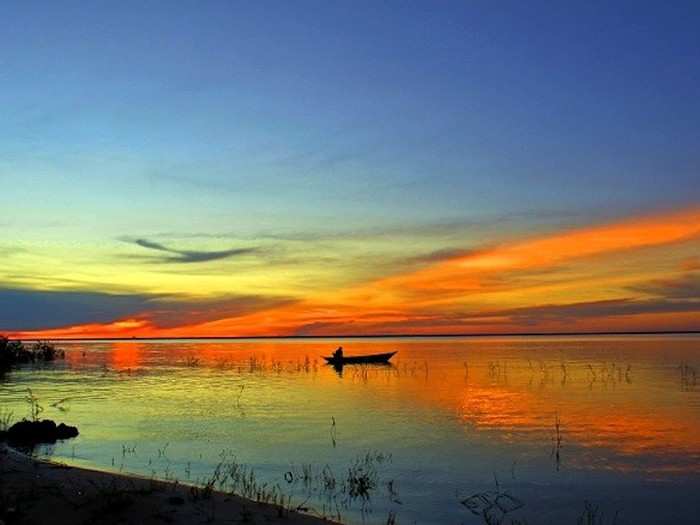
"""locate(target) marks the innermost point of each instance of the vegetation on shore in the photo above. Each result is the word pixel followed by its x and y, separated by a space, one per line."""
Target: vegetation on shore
pixel 14 352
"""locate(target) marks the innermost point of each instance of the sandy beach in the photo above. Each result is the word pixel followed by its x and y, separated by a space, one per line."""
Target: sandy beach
pixel 41 492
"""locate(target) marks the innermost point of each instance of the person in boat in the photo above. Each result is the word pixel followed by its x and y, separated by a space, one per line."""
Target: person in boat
pixel 338 354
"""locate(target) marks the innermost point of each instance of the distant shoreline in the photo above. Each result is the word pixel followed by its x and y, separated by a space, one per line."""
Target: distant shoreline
pixel 375 336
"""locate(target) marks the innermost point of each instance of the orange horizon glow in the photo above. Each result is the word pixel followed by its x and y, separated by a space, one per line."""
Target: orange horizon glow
pixel 526 285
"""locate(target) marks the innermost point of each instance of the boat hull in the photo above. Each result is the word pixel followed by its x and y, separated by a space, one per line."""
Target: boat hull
pixel 360 359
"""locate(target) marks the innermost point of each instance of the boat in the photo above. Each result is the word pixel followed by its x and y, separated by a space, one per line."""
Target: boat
pixel 359 359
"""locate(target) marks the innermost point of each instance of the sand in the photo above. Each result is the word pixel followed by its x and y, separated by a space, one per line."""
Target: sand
pixel 41 492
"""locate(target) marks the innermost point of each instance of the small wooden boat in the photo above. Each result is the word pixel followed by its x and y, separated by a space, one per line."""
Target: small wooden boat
pixel 359 359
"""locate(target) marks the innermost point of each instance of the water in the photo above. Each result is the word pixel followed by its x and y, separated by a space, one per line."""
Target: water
pixel 451 418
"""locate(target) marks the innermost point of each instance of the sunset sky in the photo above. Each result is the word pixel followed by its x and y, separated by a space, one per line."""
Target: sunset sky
pixel 324 168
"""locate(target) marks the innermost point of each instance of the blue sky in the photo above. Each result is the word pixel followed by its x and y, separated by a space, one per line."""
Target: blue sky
pixel 453 108
pixel 175 120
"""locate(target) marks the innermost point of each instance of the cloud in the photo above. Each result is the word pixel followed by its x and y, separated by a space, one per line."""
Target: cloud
pixel 467 273
pixel 10 250
pixel 691 264
pixel 438 255
pixel 452 228
pixel 684 287
pixel 33 309
pixel 547 318
pixel 173 313
pixel 24 310
pixel 596 309
pixel 188 256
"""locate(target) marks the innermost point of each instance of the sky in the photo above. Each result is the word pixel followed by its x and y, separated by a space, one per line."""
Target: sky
pixel 324 168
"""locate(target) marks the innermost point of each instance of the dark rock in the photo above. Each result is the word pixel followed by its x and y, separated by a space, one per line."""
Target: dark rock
pixel 64 431
pixel 176 500
pixel 45 431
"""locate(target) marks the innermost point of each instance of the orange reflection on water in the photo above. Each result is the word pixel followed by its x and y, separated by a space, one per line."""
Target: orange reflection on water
pixel 126 355
pixel 625 409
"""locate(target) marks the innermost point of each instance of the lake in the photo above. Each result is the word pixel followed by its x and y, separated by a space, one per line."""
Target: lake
pixel 456 430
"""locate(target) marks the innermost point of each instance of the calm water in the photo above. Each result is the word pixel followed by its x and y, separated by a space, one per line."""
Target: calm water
pixel 450 418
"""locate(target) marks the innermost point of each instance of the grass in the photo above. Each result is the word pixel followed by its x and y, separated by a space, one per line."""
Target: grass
pixel 556 441
pixel 191 362
pixel 353 489
pixel 592 515
pixel 34 407
pixel 13 353
pixel 6 418
pixel 688 376
pixel 497 506
pixel 493 506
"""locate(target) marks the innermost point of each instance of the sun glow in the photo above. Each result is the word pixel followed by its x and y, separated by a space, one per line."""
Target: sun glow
pixel 526 284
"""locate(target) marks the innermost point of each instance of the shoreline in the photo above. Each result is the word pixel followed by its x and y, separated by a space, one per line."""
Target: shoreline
pixel 30 337
pixel 37 491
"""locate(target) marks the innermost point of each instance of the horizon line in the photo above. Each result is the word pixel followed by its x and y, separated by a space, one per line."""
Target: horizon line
pixel 373 336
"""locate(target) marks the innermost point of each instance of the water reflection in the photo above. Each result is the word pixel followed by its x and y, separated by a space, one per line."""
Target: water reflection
pixel 628 411
pixel 451 413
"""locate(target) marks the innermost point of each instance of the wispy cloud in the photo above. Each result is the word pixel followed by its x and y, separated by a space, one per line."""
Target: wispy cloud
pixel 466 273
pixel 566 313
pixel 449 228
pixel 683 287
pixel 548 282
pixel 187 256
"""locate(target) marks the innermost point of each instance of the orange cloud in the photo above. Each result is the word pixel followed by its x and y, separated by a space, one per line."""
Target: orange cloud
pixel 440 297
pixel 462 273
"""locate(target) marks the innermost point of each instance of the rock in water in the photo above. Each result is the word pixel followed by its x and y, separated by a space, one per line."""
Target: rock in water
pixel 32 432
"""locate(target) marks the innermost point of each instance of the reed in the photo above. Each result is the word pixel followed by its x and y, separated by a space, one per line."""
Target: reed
pixel 6 418
pixel 34 407
pixel 592 515
pixel 688 376
pixel 493 506
pixel 191 362
pixel 13 353
pixel 556 441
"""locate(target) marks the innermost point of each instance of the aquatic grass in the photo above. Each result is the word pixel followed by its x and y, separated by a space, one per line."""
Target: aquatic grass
pixel 556 441
pixel 592 515
pixel 359 483
pixel 191 362
pixel 34 407
pixel 229 476
pixel 333 432
pixel 688 376
pixel 240 394
pixel 15 352
pixel 498 372
pixel 6 418
pixel 60 404
pixel 361 479
pixel 493 506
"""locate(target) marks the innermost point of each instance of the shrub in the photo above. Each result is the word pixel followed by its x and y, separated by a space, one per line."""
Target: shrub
pixel 16 353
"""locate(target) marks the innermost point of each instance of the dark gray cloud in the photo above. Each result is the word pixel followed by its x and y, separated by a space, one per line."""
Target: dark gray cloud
pixel 171 313
pixel 439 256
pixel 684 287
pixel 22 309
pixel 691 264
pixel 30 309
pixel 609 308
pixel 173 255
pixel 510 320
